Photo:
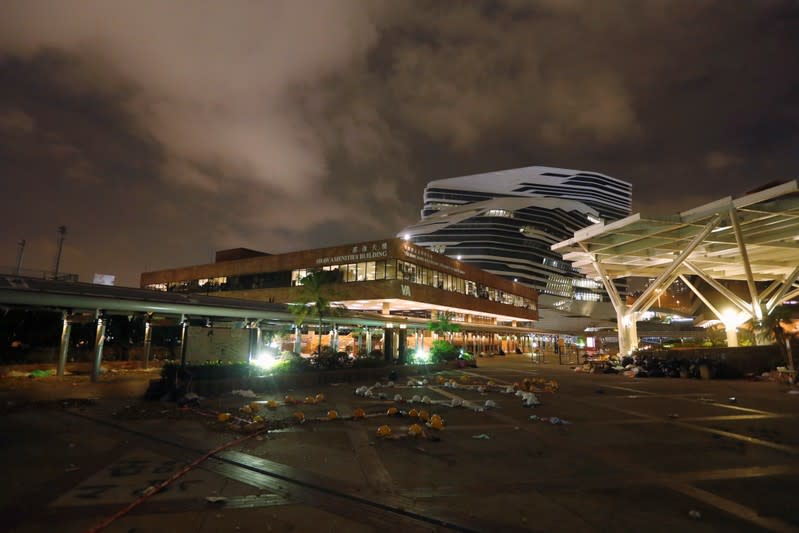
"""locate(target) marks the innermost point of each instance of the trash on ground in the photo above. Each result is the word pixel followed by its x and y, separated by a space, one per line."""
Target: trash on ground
pixel 490 404
pixel 41 373
pixel 245 393
pixel 732 399
pixel 674 415
pixel 693 513
pixel 481 436
pixel 793 391
pixel 215 499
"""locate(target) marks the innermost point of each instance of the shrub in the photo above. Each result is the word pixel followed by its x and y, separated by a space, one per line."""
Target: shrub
pixel 443 351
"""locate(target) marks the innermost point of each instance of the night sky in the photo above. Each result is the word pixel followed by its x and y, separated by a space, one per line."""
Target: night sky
pixel 159 132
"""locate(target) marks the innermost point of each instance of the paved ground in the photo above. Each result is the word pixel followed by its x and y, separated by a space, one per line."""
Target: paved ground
pixel 637 454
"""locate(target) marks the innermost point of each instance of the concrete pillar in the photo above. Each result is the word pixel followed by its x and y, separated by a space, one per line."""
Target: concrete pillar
pixel 297 339
pixel 402 345
pixel 99 340
pixel 732 335
pixel 386 308
pixel 251 345
pixel 184 337
pixel 334 339
pixel 148 341
pixel 628 332
pixel 63 349
pixel 368 341
pixel 388 344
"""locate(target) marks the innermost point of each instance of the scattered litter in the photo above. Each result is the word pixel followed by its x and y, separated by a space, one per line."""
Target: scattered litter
pixel 41 373
pixel 361 391
pixel 149 491
pixel 481 436
pixel 457 402
pixel 793 391
pixel 530 400
pixel 215 499
pixel 554 420
pixel 390 384
pixel 17 374
pixel 732 399
pixel 490 404
pixel 398 397
pixel 245 393
pixel 426 399
pixel 674 415
pixel 416 398
pixel 693 513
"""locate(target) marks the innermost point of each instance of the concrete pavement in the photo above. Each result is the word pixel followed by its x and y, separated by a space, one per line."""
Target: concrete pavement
pixel 657 454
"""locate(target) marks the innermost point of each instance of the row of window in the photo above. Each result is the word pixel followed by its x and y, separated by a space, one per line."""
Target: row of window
pixel 406 271
pixel 390 269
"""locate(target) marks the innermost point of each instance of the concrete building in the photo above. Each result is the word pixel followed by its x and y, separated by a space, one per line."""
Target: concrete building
pixel 506 223
pixel 404 284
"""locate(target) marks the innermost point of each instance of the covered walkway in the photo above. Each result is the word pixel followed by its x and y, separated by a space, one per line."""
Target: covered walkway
pixel 753 238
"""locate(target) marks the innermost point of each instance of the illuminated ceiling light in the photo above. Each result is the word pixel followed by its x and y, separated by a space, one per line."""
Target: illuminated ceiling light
pixel 460 257
pixel 406 236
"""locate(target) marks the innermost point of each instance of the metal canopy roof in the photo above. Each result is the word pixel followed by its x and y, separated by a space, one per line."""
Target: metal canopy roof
pixel 709 237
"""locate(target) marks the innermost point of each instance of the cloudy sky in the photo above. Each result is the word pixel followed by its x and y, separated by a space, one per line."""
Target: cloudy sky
pixel 159 132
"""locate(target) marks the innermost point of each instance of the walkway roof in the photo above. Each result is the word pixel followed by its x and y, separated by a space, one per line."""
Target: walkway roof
pixel 766 221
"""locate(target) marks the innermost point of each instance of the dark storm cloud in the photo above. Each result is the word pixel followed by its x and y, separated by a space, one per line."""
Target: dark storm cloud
pixel 159 133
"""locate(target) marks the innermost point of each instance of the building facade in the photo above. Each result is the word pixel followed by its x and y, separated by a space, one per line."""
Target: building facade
pixel 506 222
pixel 389 278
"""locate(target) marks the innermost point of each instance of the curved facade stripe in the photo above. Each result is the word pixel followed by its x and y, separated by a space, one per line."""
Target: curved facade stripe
pixel 505 223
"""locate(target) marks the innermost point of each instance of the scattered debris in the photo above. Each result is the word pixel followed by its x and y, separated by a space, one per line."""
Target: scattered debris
pixel 245 393
pixel 481 436
pixel 674 415
pixel 693 513
pixel 215 499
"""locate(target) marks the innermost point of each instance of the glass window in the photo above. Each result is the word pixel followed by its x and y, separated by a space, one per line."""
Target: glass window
pixel 380 270
pixel 370 270
pixel 361 276
pixel 351 272
pixel 410 272
pixel 391 269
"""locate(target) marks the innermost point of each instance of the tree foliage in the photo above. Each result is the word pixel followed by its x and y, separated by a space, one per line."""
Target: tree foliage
pixel 314 299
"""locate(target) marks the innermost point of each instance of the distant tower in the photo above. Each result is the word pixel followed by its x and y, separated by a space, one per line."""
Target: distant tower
pixel 62 232
pixel 21 253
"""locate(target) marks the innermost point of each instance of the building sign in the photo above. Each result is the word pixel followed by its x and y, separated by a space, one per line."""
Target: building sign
pixel 361 252
pixel 405 290
pixel 427 257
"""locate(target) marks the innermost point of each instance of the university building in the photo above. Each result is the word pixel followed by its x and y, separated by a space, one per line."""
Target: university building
pixel 505 222
pixel 402 284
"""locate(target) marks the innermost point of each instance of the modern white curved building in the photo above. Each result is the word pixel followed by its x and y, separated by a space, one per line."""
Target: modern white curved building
pixel 506 222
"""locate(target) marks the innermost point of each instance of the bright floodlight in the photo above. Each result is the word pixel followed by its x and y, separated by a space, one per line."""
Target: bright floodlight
pixel 422 356
pixel 265 360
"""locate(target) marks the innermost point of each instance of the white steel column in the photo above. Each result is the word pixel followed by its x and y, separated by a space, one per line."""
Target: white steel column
pixel 757 312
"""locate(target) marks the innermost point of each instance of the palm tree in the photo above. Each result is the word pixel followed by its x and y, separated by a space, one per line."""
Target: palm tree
pixel 315 292
pixel 771 327
pixel 443 324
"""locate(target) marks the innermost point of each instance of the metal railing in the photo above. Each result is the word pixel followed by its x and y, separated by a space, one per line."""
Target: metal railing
pixel 38 274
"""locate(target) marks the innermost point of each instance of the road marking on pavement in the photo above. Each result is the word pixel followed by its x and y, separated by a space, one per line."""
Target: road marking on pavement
pixel 374 471
pixel 673 483
pixel 127 478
